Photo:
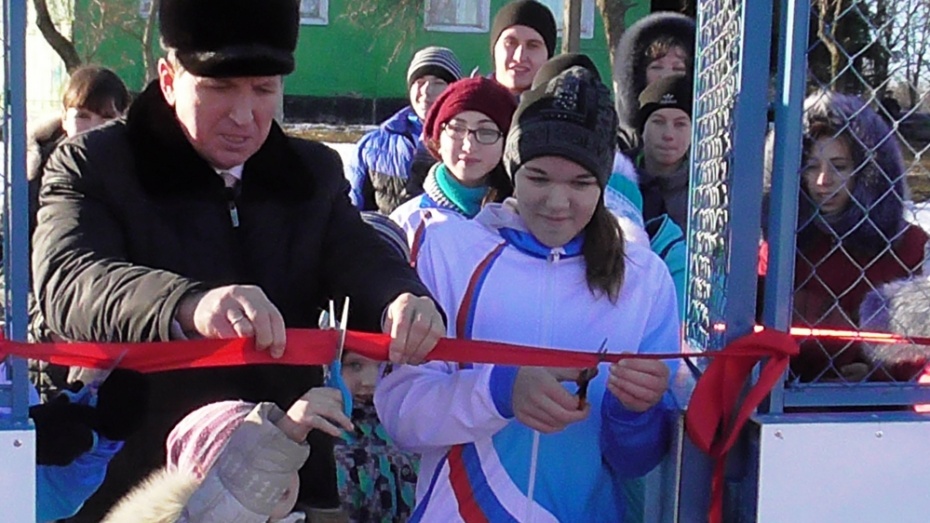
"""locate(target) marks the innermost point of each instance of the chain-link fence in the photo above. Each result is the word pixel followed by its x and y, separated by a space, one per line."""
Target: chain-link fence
pixel 716 78
pixel 862 192
pixel 721 274
pixel 863 209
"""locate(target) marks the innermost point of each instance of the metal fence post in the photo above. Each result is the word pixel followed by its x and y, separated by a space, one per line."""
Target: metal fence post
pixel 783 203
pixel 17 437
pixel 16 235
pixel 729 122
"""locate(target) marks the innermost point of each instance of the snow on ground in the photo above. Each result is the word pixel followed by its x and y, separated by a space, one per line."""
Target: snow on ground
pixel 918 213
pixel 345 150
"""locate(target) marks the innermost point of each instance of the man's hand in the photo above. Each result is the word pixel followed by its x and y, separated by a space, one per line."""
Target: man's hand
pixel 234 311
pixel 319 408
pixel 638 384
pixel 415 326
pixel 540 402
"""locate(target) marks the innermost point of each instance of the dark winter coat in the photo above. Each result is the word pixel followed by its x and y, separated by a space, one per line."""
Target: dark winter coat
pixel 132 219
pixel 390 164
pixel 43 139
pixel 665 195
pixel 630 67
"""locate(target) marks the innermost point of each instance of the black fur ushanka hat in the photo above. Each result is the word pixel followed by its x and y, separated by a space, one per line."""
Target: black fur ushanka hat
pixel 223 38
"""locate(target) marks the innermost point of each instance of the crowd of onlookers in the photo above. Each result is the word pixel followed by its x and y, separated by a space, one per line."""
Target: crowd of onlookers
pixel 527 206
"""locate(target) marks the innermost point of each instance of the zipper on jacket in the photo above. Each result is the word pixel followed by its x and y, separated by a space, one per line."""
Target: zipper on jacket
pixel 233 209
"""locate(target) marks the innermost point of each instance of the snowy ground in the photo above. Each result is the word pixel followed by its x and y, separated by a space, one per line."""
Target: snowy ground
pixel 344 150
pixel 919 213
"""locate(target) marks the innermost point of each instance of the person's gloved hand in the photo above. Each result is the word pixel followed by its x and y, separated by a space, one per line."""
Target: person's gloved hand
pixel 66 426
pixel 63 430
pixel 122 404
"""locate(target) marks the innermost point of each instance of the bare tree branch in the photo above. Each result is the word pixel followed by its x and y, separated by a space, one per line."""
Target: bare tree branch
pixel 148 57
pixel 61 45
pixel 613 13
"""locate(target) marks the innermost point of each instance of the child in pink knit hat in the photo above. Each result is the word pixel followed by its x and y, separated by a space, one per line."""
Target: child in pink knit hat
pixel 234 462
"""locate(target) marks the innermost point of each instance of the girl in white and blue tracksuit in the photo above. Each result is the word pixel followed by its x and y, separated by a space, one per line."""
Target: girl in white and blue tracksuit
pixel 469 173
pixel 497 280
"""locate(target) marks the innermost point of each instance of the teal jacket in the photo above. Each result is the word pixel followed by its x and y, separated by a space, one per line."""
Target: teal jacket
pixel 666 238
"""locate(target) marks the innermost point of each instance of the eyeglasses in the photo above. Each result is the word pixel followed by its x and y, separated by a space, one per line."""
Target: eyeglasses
pixel 483 136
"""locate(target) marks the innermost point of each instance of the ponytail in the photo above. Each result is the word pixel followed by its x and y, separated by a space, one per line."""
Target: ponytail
pixel 603 253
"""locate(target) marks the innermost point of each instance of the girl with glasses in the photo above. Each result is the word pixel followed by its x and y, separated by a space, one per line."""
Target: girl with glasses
pixel 464 130
pixel 548 268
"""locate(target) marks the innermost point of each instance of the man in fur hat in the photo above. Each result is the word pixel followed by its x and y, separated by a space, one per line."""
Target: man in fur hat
pixel 196 216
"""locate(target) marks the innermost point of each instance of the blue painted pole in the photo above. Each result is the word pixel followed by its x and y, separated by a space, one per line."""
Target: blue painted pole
pixel 783 203
pixel 732 231
pixel 16 235
pixel 749 127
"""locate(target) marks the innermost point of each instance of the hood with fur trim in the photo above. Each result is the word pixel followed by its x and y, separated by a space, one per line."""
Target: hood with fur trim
pixel 630 66
pixel 874 217
pixel 160 498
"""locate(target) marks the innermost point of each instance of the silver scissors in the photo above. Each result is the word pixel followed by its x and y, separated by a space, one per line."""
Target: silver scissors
pixel 333 376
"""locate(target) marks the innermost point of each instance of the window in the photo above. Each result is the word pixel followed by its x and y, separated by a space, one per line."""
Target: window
pixel 587 16
pixel 314 12
pixel 144 7
pixel 458 16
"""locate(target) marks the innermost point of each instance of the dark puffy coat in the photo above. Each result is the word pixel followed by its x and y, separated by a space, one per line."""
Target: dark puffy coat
pixel 630 67
pixel 43 139
pixel 132 219
pixel 389 164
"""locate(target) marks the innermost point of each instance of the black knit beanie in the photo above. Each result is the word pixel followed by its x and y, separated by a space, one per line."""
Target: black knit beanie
pixel 530 13
pixel 572 116
pixel 674 91
pixel 562 62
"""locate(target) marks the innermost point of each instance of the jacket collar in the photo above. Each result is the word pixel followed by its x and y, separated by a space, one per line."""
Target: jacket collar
pixel 678 180
pixel 168 165
pixel 405 122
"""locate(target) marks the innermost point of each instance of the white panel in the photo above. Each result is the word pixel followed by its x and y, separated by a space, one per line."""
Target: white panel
pixel 844 472
pixel 17 475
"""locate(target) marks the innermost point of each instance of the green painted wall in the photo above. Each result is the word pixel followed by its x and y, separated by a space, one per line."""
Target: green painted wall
pixel 342 58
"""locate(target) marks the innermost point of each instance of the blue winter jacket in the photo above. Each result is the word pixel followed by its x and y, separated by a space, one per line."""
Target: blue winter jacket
pixel 389 165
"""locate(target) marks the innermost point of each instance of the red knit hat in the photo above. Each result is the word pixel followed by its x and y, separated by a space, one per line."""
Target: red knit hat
pixel 470 94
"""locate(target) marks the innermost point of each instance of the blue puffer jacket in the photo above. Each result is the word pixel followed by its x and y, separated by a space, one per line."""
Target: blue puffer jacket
pixel 389 165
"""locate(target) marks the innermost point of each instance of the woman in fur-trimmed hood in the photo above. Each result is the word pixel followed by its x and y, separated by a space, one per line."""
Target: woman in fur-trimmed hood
pixel 852 235
pixel 666 38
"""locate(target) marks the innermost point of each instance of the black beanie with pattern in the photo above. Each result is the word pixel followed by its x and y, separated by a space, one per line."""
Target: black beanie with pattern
pixel 571 116
pixel 671 92
pixel 529 13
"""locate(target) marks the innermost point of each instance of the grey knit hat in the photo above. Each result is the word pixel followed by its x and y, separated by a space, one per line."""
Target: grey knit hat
pixel 440 62
pixel 572 116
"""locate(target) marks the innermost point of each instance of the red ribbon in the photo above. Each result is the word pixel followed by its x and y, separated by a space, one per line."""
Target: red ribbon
pixel 304 347
pixel 714 418
pixel 715 415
